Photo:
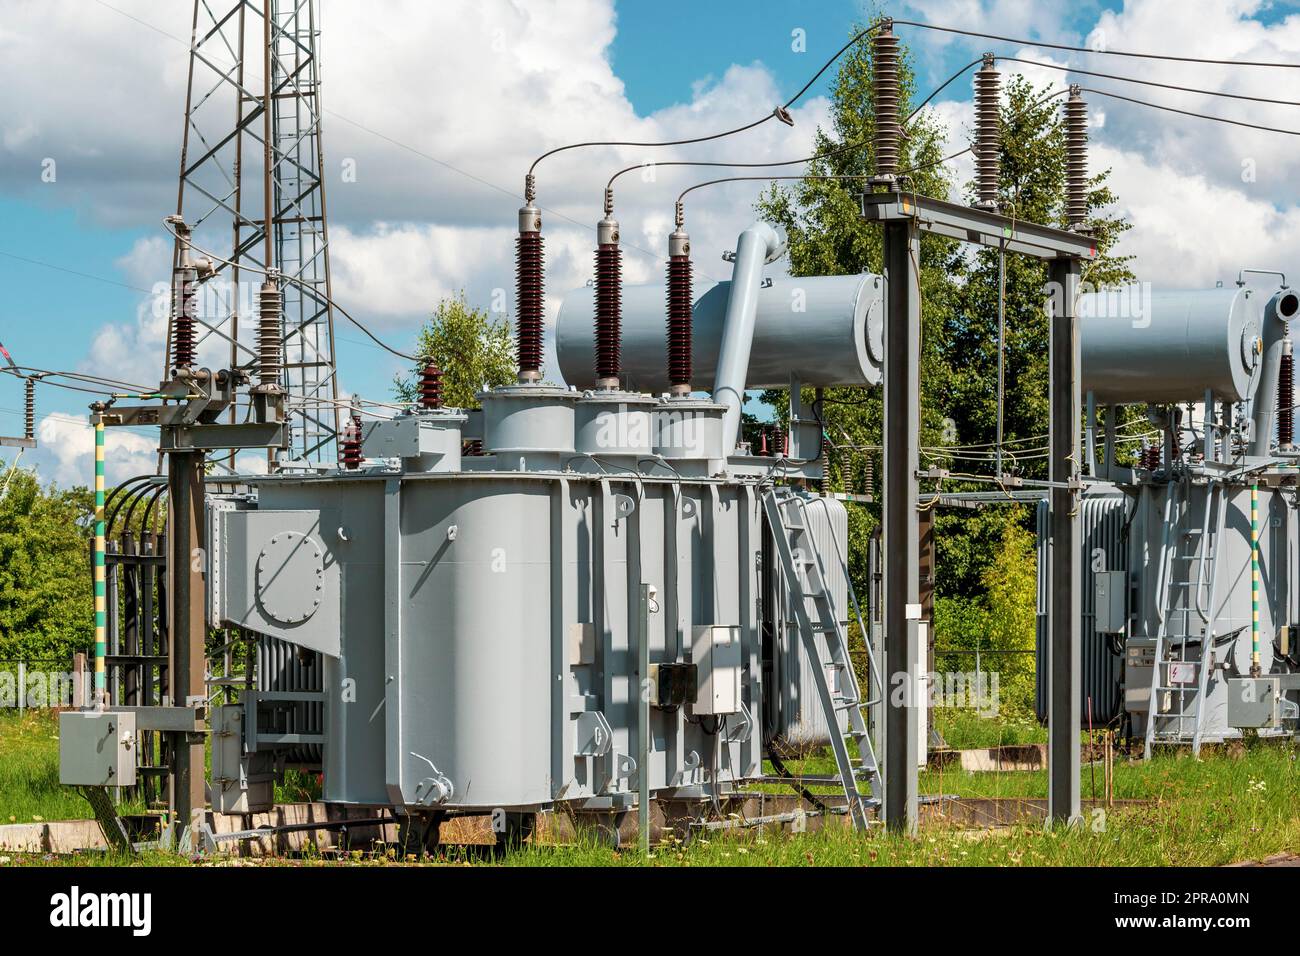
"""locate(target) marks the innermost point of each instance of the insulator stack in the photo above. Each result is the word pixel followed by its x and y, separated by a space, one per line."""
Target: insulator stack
pixel 778 443
pixel 988 133
pixel 183 321
pixel 269 344
pixel 29 408
pixel 884 69
pixel 846 469
pixel 431 386
pixel 868 474
pixel 1286 396
pixel 529 295
pixel 680 305
pixel 609 304
pixel 1150 458
pixel 352 444
pixel 1076 159
pixel 826 468
pixel 472 447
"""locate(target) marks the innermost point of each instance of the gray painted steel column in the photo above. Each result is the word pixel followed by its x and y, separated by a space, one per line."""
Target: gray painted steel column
pixel 643 718
pixel 392 621
pixel 188 626
pixel 1063 604
pixel 901 529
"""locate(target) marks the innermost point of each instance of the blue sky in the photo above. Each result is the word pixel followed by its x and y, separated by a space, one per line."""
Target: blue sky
pixel 70 252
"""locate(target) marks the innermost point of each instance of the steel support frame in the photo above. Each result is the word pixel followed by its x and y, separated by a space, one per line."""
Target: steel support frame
pixel 901 531
pixel 1064 608
pixel 221 189
pixel 903 218
pixel 187 671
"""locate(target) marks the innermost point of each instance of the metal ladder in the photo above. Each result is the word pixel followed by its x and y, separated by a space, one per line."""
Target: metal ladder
pixel 796 549
pixel 1182 722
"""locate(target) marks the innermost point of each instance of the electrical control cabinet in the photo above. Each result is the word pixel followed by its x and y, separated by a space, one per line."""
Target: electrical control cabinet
pixel 1110 601
pixel 716 654
pixel 96 748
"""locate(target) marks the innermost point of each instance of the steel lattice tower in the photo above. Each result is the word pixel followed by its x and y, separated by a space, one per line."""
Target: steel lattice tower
pixel 232 183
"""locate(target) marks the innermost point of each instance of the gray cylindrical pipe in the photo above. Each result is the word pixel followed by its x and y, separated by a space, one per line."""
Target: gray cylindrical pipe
pixel 825 330
pixel 753 248
pixel 1280 310
pixel 1165 347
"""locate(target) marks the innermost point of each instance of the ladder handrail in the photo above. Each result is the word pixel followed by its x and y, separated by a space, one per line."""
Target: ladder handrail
pixel 837 645
pixel 1205 562
pixel 1207 641
pixel 1162 600
pixel 1162 572
pixel 1210 496
pixel 853 596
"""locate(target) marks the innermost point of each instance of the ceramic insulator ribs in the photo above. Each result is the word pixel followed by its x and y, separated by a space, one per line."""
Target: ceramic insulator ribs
pixel 988 133
pixel 679 321
pixel 1076 159
pixel 885 80
pixel 529 292
pixel 609 310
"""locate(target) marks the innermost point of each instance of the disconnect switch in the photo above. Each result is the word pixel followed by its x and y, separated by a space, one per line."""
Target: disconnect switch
pixel 716 654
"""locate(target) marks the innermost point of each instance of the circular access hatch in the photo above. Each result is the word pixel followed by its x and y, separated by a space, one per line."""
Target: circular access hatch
pixel 290 577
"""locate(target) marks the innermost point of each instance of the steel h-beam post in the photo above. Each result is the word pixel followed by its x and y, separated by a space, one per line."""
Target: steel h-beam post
pixel 188 626
pixel 1063 611
pixel 901 529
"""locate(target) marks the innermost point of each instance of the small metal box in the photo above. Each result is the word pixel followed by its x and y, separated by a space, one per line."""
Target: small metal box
pixel 1253 702
pixel 241 782
pixel 1110 593
pixel 716 654
pixel 1139 667
pixel 96 748
pixel 674 684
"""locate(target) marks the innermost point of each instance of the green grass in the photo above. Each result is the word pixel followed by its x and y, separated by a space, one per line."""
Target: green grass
pixel 30 791
pixel 29 771
pixel 966 730
pixel 1237 802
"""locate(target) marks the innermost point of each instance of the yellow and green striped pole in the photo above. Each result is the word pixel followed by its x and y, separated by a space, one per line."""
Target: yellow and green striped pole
pixel 1254 580
pixel 101 616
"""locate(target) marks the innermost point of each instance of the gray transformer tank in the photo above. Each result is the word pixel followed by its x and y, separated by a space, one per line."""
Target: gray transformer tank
pixel 478 627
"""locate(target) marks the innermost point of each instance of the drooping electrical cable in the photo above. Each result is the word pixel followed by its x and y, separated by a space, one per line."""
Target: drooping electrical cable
pixel 827 154
pixel 1141 82
pixel 1102 52
pixel 1206 116
pixel 292 279
pixel 780 112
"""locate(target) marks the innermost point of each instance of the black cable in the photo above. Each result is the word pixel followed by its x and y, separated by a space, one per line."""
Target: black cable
pixel 940 88
pixel 844 148
pixel 741 179
pixel 780 112
pixel 938 162
pixel 676 142
pixel 1171 109
pixel 1164 86
pixel 806 159
pixel 797 785
pixel 1079 49
pixel 259 270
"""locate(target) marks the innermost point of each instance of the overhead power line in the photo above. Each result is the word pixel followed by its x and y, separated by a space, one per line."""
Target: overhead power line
pixel 1141 82
pixel 1102 52
pixel 1207 116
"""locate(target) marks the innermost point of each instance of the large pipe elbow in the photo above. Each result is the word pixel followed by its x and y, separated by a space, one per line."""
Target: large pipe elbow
pixel 1279 312
pixel 758 245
